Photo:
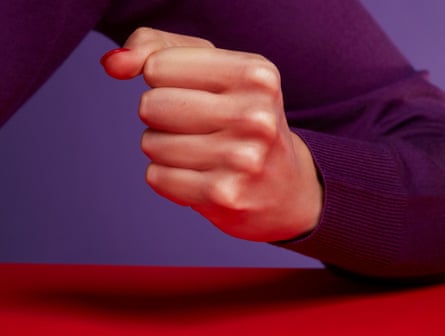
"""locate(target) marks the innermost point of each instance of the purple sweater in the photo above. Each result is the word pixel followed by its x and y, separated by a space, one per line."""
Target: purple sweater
pixel 375 126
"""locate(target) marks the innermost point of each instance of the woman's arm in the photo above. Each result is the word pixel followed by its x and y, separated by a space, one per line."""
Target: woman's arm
pixel 36 37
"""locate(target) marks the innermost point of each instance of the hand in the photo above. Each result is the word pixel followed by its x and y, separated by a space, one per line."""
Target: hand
pixel 218 139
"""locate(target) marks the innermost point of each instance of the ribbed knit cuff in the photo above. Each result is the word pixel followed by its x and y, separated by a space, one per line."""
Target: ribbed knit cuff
pixel 364 208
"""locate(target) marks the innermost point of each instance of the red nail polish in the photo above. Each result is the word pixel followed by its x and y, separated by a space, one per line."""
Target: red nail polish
pixel 110 53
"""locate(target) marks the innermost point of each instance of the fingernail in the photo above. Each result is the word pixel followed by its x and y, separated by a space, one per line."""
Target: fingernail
pixel 110 53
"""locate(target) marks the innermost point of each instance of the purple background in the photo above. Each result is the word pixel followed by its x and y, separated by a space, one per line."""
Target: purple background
pixel 72 176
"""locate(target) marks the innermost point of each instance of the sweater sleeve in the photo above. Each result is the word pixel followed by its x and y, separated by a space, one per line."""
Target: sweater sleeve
pixel 374 125
pixel 36 37
pixel 384 183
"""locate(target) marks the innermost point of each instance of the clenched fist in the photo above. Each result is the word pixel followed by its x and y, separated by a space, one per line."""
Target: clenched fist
pixel 218 139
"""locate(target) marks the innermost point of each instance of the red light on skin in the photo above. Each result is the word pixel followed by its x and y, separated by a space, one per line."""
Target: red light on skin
pixel 111 53
pixel 113 68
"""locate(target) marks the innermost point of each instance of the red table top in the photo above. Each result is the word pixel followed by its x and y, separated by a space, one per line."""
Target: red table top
pixel 125 300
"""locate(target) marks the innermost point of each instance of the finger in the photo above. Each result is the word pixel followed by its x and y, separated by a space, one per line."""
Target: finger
pixel 182 186
pixel 139 46
pixel 210 69
pixel 198 152
pixel 185 111
pixel 205 152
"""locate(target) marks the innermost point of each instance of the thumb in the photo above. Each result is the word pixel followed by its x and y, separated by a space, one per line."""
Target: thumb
pixel 129 61
pixel 119 67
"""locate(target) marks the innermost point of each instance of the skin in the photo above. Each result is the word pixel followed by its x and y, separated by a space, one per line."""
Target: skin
pixel 218 138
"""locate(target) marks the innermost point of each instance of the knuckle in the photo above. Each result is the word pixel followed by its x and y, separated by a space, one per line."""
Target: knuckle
pixel 260 123
pixel 143 36
pixel 204 43
pixel 143 32
pixel 144 106
pixel 151 175
pixel 147 145
pixel 263 74
pixel 150 66
pixel 249 159
pixel 225 193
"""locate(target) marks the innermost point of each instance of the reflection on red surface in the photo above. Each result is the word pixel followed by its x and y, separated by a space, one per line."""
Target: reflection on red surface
pixel 110 300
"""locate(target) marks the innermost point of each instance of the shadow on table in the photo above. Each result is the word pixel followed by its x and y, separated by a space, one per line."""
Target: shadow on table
pixel 178 295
